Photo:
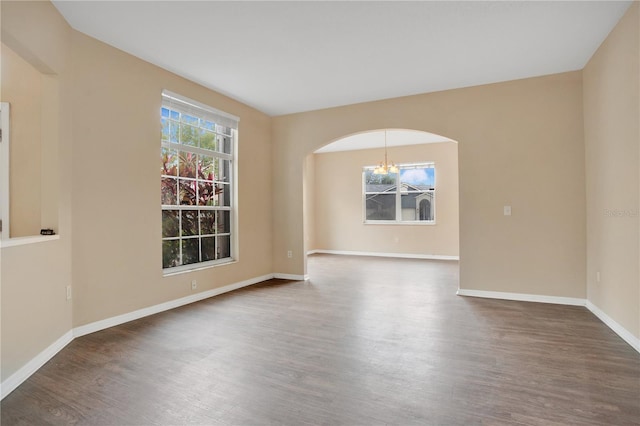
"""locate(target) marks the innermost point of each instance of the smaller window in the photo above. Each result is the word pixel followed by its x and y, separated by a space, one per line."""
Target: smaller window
pixel 404 197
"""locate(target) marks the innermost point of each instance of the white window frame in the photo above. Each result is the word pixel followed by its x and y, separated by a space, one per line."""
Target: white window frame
pixel 197 109
pixel 398 199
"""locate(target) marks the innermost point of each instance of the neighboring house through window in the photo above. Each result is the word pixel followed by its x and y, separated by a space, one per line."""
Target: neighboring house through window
pixel 198 148
pixel 407 196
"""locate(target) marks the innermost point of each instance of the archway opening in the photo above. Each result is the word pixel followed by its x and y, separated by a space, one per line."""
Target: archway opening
pixel 348 209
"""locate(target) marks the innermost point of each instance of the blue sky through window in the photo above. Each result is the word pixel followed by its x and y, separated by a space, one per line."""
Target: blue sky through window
pixel 419 176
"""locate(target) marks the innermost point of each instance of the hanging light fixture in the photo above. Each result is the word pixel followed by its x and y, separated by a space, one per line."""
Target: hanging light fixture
pixel 385 167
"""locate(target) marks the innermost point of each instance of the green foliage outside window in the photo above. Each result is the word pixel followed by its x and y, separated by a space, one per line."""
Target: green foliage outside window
pixel 195 169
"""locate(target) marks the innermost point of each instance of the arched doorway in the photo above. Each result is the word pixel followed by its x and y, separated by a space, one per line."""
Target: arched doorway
pixel 393 216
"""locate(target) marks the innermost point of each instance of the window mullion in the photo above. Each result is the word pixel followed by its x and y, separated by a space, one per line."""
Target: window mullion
pixel 197 150
pixel 180 234
pixel 199 238
pixel 398 199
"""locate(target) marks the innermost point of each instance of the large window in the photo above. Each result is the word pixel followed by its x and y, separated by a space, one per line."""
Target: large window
pixel 198 145
pixel 404 197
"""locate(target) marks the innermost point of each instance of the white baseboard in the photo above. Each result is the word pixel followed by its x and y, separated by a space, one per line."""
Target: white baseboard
pixel 151 310
pixel 625 334
pixel 291 277
pixel 377 254
pixel 16 379
pixel 522 297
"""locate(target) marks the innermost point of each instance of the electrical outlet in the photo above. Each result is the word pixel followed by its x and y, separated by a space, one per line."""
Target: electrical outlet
pixel 289 254
pixel 194 284
pixel 507 210
pixel 68 292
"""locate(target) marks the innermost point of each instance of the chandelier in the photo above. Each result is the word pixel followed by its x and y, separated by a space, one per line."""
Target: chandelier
pixel 385 167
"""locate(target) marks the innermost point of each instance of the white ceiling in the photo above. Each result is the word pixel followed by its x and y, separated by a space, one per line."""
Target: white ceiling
pixel 376 138
pixel 286 57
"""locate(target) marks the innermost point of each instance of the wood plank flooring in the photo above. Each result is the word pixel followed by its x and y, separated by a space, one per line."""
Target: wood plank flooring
pixel 367 341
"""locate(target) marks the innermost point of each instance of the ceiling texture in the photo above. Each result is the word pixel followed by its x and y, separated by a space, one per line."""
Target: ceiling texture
pixel 293 56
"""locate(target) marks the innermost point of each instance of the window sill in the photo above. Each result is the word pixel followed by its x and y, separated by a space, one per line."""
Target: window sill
pixel 34 239
pixel 393 222
pixel 196 267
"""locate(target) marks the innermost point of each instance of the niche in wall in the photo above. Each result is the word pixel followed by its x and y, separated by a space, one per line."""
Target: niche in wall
pixel 33 160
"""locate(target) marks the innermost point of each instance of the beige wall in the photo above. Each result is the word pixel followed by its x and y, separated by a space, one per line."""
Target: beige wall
pixel 34 310
pixel 50 152
pixel 338 204
pixel 309 195
pixel 109 132
pixel 116 206
pixel 22 88
pixel 611 116
pixel 520 144
pixel 34 100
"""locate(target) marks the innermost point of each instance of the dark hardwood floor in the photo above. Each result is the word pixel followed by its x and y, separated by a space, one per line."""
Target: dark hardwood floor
pixel 367 341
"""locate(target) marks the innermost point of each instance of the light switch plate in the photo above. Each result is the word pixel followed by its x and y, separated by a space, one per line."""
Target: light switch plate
pixel 507 210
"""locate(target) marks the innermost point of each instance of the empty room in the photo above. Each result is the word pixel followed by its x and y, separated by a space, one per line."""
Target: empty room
pixel 301 212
